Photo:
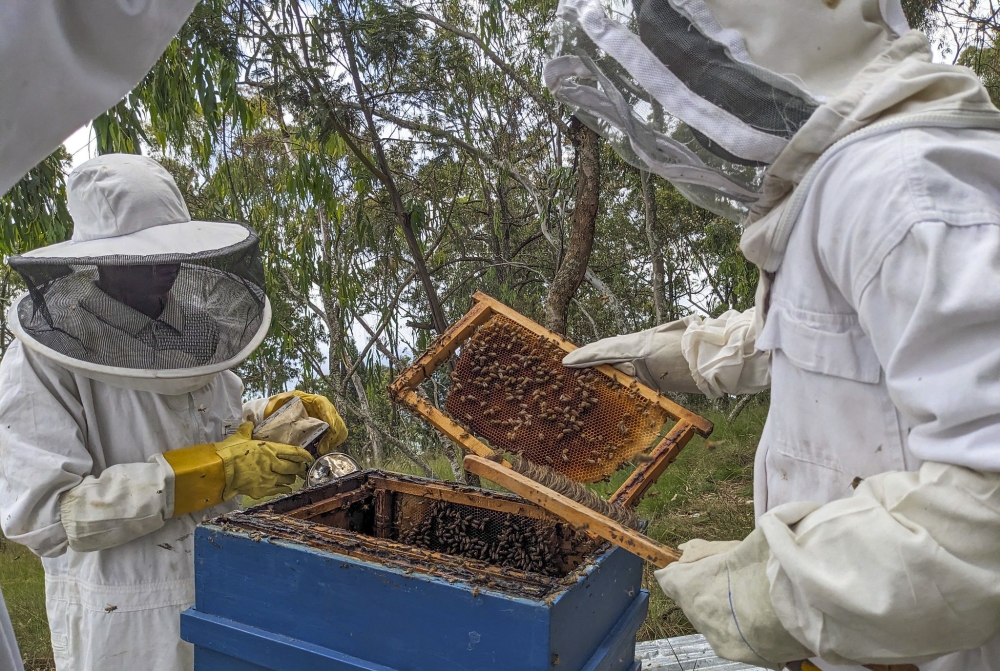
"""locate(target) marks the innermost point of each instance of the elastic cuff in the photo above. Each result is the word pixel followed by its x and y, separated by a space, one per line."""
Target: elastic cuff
pixel 199 478
pixel 700 382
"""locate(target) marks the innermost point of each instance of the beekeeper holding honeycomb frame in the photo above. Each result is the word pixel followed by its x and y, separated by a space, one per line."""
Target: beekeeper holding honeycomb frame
pixel 865 176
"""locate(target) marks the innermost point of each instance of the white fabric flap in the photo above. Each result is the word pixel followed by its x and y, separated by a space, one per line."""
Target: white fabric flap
pixel 821 343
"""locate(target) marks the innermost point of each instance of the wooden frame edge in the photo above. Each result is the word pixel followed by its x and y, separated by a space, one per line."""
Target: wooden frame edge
pixel 647 473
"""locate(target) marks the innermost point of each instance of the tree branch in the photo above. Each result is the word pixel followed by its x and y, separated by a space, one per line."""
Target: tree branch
pixel 505 166
pixel 505 67
pixel 573 267
pixel 655 249
pixel 403 217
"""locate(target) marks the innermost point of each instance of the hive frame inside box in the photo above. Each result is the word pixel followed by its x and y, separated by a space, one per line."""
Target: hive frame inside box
pixel 306 516
pixel 404 391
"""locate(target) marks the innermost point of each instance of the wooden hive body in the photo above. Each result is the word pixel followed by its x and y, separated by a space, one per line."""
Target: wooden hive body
pixel 320 580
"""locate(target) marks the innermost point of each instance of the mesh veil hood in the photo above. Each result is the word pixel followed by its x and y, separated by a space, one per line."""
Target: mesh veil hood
pixel 134 245
pixel 708 93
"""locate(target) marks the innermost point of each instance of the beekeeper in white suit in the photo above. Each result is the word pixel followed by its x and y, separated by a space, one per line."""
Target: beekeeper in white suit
pixel 123 426
pixel 868 180
pixel 63 62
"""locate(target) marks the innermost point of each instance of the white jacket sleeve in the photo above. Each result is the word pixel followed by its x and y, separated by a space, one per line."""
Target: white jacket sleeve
pixel 909 567
pixel 722 355
pixel 124 502
pixel 711 355
pixel 49 497
pixel 63 62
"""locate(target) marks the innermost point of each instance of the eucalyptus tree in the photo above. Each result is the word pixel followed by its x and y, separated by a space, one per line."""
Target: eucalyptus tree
pixel 331 130
pixel 32 214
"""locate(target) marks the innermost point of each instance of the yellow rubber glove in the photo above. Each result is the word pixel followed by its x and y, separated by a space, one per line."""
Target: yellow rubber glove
pixel 206 475
pixel 318 407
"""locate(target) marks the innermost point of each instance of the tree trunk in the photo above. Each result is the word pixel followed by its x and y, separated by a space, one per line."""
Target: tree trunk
pixel 359 389
pixel 655 250
pixel 437 313
pixel 573 266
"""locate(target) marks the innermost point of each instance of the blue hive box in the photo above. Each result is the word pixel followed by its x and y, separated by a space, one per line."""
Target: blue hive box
pixel 348 576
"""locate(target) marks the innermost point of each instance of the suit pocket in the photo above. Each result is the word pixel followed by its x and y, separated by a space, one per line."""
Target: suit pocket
pixel 828 344
pixel 831 417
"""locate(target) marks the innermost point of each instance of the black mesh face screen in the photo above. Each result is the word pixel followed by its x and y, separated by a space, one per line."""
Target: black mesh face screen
pixel 212 311
pixel 714 148
pixel 705 67
pixel 142 288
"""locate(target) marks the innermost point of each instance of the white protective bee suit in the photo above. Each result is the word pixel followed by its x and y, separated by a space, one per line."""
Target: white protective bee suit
pixel 876 226
pixel 97 399
pixel 63 62
pixel 115 584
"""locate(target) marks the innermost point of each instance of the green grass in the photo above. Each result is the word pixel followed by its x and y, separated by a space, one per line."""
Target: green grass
pixel 706 494
pixel 23 584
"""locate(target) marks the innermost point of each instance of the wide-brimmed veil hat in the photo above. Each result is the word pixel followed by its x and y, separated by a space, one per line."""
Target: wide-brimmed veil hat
pixel 128 211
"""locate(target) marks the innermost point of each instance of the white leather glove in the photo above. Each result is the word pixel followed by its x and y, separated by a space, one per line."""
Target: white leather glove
pixel 653 357
pixel 903 571
pixel 712 356
pixel 723 589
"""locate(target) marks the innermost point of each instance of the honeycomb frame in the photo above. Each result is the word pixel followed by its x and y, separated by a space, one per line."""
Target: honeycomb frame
pixel 404 391
pixel 509 388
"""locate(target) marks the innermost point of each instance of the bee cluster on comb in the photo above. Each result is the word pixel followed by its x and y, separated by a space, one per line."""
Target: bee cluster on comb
pixel 509 387
pixel 501 539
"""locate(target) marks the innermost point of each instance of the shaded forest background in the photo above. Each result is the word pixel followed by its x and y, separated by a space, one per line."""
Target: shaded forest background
pixel 395 158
